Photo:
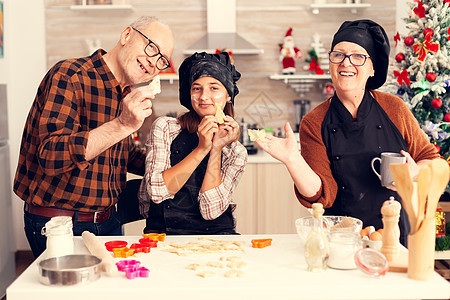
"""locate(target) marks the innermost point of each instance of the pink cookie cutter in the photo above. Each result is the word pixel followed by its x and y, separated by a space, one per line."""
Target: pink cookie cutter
pixel 132 269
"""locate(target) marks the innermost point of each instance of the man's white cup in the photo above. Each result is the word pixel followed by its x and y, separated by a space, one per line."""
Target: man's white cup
pixel 386 159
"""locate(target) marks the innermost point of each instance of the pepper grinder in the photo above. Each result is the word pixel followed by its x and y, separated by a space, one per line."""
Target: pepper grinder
pixel 391 232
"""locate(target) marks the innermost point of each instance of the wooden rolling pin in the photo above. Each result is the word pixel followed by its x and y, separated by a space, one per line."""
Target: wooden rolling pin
pixel 98 249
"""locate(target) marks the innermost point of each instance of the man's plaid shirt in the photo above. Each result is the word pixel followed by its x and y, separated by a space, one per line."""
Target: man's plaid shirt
pixel 75 96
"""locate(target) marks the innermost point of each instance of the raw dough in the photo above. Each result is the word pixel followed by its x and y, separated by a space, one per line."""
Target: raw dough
pixel 156 84
pixel 234 273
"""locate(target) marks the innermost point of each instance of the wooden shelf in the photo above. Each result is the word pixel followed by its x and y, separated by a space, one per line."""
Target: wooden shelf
pixel 301 82
pixel 97 7
pixel 300 76
pixel 353 7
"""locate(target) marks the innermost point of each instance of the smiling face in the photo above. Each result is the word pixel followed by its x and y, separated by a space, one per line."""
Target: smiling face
pixel 347 77
pixel 206 93
pixel 136 64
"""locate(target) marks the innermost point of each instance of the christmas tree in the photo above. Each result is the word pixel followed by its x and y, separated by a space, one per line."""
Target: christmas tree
pixel 421 74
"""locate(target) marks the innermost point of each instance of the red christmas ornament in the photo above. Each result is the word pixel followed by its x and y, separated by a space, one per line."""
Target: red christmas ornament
pixel 431 76
pixel 436 103
pixel 427 31
pixel 409 40
pixel 438 149
pixel 399 57
pixel 447 117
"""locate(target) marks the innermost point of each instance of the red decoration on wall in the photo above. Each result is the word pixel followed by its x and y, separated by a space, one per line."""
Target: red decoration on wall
pixel 431 77
pixel 427 46
pixel 420 10
pixel 397 38
pixel 448 31
pixel 314 66
pixel 409 40
pixel 402 77
pixel 230 53
pixel 436 103
pixel 399 57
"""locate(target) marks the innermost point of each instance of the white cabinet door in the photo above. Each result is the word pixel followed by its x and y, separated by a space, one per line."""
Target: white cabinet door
pixel 266 202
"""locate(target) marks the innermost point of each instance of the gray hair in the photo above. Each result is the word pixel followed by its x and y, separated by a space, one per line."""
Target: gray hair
pixel 143 21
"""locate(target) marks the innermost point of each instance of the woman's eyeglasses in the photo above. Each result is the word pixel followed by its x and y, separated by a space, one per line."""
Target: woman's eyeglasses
pixel 355 59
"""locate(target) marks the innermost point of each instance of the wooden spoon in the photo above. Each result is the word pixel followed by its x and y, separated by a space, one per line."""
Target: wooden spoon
pixel 405 187
pixel 423 186
pixel 439 179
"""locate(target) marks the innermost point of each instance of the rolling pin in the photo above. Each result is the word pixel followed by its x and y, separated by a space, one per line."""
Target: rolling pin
pixel 96 248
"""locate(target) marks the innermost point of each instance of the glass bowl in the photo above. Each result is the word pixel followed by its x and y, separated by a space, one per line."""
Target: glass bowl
pixel 330 224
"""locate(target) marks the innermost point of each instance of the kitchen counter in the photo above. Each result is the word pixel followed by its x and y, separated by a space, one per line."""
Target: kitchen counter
pixel 274 272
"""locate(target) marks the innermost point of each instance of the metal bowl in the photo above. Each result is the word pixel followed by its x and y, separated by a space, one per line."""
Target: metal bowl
pixel 69 270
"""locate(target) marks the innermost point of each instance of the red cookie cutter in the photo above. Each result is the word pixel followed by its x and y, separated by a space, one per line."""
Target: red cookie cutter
pixel 155 236
pixel 261 243
pixel 148 242
pixel 115 244
pixel 140 248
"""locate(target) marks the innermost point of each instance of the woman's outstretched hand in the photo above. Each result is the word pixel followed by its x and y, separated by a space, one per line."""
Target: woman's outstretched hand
pixel 282 149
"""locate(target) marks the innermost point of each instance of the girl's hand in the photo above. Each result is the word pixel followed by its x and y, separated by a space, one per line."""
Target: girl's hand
pixel 206 130
pixel 227 133
pixel 282 149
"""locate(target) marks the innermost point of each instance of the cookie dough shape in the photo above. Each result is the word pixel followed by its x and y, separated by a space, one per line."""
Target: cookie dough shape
pixel 206 274
pixel 195 267
pixel 214 264
pixel 220 116
pixel 257 134
pixel 156 84
pixel 234 274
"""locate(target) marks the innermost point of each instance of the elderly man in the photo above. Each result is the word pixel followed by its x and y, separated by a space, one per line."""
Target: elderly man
pixel 76 147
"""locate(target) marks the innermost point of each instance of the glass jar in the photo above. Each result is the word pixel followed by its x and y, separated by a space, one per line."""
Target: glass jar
pixel 316 244
pixel 59 232
pixel 343 246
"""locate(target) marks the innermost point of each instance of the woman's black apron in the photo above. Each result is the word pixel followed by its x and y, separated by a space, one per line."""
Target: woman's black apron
pixel 181 215
pixel 351 145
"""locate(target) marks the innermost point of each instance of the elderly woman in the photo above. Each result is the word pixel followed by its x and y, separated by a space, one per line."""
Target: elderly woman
pixel 194 162
pixel 340 137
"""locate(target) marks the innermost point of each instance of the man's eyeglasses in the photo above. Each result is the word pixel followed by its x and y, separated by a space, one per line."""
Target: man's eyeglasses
pixel 356 59
pixel 152 50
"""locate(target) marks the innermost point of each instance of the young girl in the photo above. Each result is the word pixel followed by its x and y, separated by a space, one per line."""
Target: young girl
pixel 194 162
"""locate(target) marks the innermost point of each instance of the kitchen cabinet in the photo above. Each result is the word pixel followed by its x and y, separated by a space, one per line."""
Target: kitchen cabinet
pixel 266 202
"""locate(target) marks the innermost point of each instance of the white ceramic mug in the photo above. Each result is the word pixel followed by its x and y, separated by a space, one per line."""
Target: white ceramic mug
pixel 386 159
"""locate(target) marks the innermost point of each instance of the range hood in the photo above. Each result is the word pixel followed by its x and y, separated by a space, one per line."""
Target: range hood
pixel 221 27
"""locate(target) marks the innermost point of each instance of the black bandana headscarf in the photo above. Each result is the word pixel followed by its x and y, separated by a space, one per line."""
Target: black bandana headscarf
pixel 371 37
pixel 203 64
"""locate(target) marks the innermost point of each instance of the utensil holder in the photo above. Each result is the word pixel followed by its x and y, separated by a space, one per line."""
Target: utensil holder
pixel 421 247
